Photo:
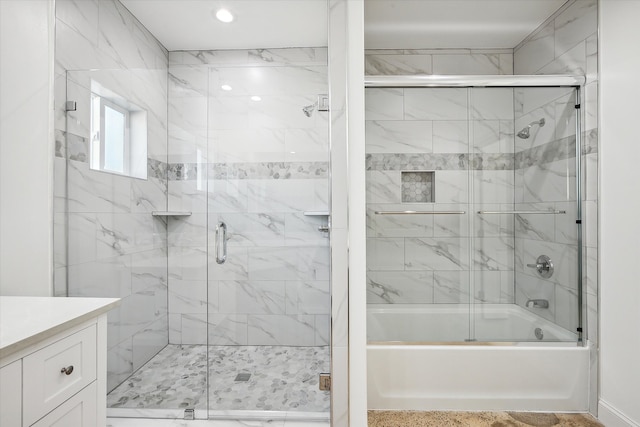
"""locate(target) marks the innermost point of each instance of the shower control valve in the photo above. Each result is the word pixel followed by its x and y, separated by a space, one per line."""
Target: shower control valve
pixel 544 266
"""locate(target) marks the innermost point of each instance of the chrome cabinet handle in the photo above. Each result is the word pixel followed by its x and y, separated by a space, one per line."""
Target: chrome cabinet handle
pixel 67 371
pixel 221 238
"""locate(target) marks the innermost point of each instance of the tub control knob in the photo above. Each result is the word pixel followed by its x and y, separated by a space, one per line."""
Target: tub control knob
pixel 543 266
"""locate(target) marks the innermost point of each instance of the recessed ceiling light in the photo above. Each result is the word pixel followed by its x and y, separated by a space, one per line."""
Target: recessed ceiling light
pixel 256 98
pixel 224 15
pixel 226 87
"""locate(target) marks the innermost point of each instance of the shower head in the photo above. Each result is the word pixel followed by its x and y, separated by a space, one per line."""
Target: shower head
pixel 524 133
pixel 309 109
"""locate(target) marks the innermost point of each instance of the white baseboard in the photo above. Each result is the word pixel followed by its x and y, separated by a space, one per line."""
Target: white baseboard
pixel 611 417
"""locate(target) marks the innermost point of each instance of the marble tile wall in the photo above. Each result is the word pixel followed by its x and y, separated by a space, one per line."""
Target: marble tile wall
pixel 107 244
pixel 466 138
pixel 568 43
pixel 246 155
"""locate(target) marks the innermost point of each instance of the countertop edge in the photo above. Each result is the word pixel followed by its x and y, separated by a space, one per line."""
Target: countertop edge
pixel 33 339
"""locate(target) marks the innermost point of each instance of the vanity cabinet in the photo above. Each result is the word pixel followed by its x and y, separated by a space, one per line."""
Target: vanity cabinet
pixel 56 378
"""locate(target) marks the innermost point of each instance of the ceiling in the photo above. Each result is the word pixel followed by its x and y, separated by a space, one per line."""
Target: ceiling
pixel 419 24
pixel 389 24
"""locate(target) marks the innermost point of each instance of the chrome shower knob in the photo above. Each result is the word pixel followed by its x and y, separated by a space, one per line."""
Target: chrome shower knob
pixel 544 266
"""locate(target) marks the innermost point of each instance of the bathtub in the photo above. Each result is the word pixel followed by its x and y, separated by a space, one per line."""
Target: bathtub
pixel 410 366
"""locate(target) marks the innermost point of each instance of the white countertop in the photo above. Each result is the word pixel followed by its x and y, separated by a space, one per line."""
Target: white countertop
pixel 27 320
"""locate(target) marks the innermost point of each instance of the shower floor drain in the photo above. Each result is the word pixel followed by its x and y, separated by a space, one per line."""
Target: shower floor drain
pixel 242 377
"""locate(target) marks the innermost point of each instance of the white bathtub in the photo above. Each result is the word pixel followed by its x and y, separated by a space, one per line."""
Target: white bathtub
pixel 538 375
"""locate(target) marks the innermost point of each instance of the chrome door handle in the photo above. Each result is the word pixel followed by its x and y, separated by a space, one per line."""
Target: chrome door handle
pixel 221 238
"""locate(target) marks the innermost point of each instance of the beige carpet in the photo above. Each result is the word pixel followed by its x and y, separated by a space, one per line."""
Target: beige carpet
pixel 477 419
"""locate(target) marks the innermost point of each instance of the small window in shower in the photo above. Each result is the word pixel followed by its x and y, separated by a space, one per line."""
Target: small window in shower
pixel 417 187
pixel 118 135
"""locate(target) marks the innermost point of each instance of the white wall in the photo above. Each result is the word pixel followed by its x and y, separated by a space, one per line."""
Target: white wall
pixel 26 146
pixel 619 226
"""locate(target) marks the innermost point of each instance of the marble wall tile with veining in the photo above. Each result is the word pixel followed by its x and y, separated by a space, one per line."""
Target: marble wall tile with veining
pixel 492 287
pixel 486 136
pixel 435 104
pixel 93 191
pixel 59 240
pixel 575 24
pixel 288 56
pixel 533 98
pixel 236 266
pixel 492 104
pixel 148 342
pixel 385 136
pixel 384 104
pixel 75 51
pixel 444 253
pixel 383 187
pixel 400 225
pixel 81 241
pixel 561 149
pixel 188 231
pixel 248 145
pixel 323 330
pixel 592 58
pixel 565 115
pixel 493 253
pixel 228 195
pixel 550 182
pixel 590 101
pixel 289 195
pixel 572 62
pixel 188 196
pixel 204 57
pixel 451 186
pixel 281 330
pixel 284 112
pixel 148 195
pixel 473 64
pixel 529 287
pixel 194 329
pixel 303 229
pixel 250 229
pixel 119 364
pixel 308 297
pixel 493 186
pixel 148 268
pixel 187 81
pixel 190 114
pixel 79 121
pixel 400 287
pixel 537 226
pixel 565 224
pixel 450 225
pixel 81 15
pixel 536 52
pixel 175 328
pixel 385 254
pixel 269 81
pixel 451 136
pixel 389 64
pixel 109 278
pixel 227 329
pixel 190 296
pixel 252 297
pixel 288 263
pixel 306 145
pixel 492 225
pixel 187 263
pixel 119 234
pixel 451 287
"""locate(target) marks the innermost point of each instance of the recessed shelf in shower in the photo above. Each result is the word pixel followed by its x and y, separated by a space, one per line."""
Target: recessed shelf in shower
pixel 418 186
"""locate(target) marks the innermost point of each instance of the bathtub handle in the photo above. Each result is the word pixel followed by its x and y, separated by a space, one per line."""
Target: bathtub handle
pixel 544 266
pixel 221 239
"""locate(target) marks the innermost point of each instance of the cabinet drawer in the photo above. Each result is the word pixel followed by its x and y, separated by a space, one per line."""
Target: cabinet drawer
pixel 56 372
pixel 79 411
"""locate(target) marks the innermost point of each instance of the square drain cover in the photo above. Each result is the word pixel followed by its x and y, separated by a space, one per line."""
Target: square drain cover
pixel 243 377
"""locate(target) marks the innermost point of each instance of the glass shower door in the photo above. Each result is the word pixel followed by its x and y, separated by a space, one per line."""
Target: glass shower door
pixel 525 206
pixel 268 275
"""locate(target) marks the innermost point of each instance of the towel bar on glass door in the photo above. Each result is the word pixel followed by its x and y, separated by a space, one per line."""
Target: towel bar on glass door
pixel 522 212
pixel 420 212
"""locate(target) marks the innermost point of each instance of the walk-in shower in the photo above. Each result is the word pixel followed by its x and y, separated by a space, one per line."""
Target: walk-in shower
pixel 474 247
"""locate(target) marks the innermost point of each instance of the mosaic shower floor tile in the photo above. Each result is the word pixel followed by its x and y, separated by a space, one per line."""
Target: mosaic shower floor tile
pixel 280 379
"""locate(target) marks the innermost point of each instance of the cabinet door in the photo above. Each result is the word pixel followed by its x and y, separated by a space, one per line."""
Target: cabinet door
pixel 79 411
pixel 11 395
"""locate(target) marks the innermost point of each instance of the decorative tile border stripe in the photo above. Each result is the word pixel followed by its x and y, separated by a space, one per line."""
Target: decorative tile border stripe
pixel 262 170
pixel 445 161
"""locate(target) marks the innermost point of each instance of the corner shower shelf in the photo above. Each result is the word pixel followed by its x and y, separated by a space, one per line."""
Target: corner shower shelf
pixel 170 213
pixel 316 213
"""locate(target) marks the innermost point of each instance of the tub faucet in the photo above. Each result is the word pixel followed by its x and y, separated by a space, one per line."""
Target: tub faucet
pixel 537 303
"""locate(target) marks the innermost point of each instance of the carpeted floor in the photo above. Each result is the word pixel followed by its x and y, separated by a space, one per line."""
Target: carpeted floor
pixel 478 419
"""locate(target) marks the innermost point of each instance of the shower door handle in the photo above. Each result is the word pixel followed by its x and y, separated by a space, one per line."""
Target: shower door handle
pixel 221 239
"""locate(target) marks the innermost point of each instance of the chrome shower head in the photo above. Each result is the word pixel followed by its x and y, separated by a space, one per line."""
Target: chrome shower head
pixel 309 109
pixel 525 133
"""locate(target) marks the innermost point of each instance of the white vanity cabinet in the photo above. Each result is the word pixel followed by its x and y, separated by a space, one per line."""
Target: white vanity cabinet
pixel 53 361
